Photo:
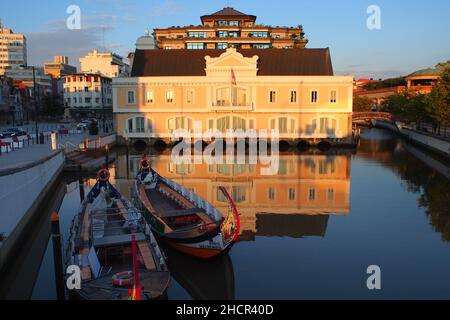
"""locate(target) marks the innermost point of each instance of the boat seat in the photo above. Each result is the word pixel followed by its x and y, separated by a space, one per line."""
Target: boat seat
pixel 117 240
pixel 182 213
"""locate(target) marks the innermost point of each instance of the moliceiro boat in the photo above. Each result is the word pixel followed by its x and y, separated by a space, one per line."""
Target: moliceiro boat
pixel 115 249
pixel 179 216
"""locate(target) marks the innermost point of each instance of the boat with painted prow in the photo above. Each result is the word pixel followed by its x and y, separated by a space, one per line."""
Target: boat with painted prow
pixel 115 249
pixel 187 222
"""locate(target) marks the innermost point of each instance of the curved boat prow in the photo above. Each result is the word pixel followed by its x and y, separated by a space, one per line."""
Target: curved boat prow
pixel 231 226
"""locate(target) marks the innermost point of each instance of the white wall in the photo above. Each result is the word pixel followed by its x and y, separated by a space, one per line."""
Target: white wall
pixel 18 191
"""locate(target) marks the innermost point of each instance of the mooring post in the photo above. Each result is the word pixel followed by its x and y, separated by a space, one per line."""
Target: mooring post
pixel 81 185
pixel 106 156
pixel 128 162
pixel 57 256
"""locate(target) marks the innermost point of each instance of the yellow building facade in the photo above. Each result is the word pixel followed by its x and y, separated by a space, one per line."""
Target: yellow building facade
pixel 293 91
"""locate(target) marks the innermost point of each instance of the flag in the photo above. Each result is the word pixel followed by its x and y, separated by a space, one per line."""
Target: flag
pixel 233 78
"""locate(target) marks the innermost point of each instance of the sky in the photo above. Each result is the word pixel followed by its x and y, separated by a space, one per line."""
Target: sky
pixel 414 34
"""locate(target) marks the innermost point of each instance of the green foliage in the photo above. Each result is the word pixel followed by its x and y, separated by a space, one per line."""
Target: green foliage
pixel 362 104
pixel 52 105
pixel 438 107
pixel 416 108
pixel 434 107
pixel 388 83
pixel 396 103
pixel 93 129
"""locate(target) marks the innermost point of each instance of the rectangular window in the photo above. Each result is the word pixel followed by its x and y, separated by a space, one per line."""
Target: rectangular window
pixel 323 125
pixel 333 96
pixel 190 96
pixel 169 96
pixel 195 46
pixel 140 125
pixel 292 194
pixel 293 96
pixel 130 125
pixel 222 46
pixel 87 100
pixel 322 167
pixel 283 125
pixel 330 194
pixel 271 194
pixel 131 98
pixel 197 34
pixel 149 97
pixel 314 96
pixel 97 100
pixel 261 46
pixel 86 89
pixel 258 34
pixel 97 89
pixel 272 96
pixel 312 194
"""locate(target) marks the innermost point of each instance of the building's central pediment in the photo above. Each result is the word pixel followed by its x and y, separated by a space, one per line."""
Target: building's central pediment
pixel 231 59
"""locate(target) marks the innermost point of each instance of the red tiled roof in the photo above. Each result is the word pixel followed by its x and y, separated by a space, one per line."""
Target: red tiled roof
pixel 272 62
pixel 228 12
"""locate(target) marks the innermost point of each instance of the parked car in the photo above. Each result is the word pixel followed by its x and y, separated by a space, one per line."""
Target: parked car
pixel 14 132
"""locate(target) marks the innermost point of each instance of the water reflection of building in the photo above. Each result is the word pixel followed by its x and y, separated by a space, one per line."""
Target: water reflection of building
pixel 297 202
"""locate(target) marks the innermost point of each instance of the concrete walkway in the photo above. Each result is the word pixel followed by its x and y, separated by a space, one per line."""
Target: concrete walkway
pixel 35 152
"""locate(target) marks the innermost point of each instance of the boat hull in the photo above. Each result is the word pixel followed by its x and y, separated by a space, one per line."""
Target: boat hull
pixel 198 250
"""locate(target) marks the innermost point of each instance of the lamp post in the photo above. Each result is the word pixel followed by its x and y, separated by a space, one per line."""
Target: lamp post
pixel 34 100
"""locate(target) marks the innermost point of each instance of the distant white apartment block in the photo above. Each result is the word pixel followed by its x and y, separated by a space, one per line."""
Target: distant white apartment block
pixel 106 64
pixel 13 49
pixel 88 94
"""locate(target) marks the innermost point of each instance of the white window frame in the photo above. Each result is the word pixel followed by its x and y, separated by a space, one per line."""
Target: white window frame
pixel 173 96
pixel 311 96
pixel 193 96
pixel 147 91
pixel 128 97
pixel 269 96
pixel 296 96
pixel 337 96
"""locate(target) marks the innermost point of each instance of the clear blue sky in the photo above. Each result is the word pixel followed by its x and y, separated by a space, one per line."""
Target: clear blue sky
pixel 414 34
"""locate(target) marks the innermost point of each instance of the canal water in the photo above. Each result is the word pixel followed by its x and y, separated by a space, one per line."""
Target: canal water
pixel 309 232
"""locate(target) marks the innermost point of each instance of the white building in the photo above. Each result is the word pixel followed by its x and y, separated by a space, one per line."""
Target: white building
pixel 106 64
pixel 88 94
pixel 13 49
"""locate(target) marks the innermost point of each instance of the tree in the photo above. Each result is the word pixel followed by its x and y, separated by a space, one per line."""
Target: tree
pixel 52 105
pixel 438 107
pixel 362 104
pixel 396 103
pixel 387 83
pixel 415 109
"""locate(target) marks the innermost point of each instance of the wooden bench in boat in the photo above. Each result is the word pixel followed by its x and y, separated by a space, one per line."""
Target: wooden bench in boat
pixel 122 211
pixel 182 213
pixel 177 197
pixel 144 198
pixel 186 204
pixel 117 240
pixel 146 255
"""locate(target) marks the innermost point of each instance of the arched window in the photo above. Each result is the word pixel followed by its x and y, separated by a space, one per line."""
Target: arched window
pixel 324 125
pixel 283 124
pixel 178 123
pixel 139 125
pixel 231 123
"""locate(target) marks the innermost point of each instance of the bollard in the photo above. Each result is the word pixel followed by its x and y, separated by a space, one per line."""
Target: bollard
pixel 106 156
pixel 57 256
pixel 81 185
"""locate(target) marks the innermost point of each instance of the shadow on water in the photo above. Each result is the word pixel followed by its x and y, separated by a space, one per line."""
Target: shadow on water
pixel 23 271
pixel 427 181
pixel 203 280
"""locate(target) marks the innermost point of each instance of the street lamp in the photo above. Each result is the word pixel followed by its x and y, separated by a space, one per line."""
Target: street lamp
pixel 34 99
